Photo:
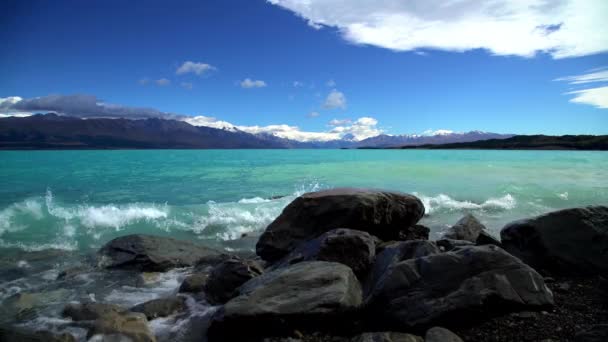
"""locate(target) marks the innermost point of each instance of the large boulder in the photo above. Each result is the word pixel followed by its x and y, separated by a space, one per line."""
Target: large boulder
pixel 569 241
pixel 161 307
pixel 381 213
pixel 314 295
pixel 467 228
pixel 153 253
pixel 353 248
pixel 226 277
pixel 91 311
pixel 452 287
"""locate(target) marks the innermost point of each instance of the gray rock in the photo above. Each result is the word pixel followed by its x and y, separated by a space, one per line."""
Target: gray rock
pixel 467 228
pixel 91 311
pixel 353 248
pixel 161 307
pixel 380 213
pixel 439 334
pixel 415 232
pixel 455 286
pixel 569 241
pixel 153 253
pixel 313 295
pixel 194 283
pixel 227 276
pixel 597 333
pixel 484 238
pixel 447 245
pixel 132 325
pixel 386 337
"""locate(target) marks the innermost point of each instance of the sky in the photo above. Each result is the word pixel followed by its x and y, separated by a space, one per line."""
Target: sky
pixel 313 69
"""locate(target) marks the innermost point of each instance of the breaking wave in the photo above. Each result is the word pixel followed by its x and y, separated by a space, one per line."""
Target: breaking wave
pixel 444 202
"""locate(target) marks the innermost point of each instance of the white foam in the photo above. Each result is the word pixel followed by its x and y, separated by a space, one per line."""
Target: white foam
pixel 445 202
pixel 253 200
pixel 563 196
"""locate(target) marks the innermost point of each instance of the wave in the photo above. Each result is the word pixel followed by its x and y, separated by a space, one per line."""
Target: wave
pixel 443 202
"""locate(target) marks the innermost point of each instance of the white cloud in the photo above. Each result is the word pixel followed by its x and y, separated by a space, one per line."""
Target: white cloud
pixel 196 68
pixel 562 28
pixel 335 99
pixel 209 121
pixel 313 114
pixel 598 75
pixel 597 97
pixel 163 82
pixel 249 83
pixel 339 122
pixel 187 85
pixel 331 83
pixel 437 132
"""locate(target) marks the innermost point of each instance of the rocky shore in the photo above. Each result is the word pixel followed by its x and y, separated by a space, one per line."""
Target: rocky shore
pixel 354 265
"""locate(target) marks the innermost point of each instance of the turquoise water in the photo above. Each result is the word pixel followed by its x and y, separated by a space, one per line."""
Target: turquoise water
pixel 78 200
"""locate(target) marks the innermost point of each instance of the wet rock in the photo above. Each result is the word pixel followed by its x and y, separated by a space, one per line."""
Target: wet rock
pixel 439 334
pixel 227 276
pixel 447 245
pixel 91 311
pixel 467 228
pixel 194 283
pixel 23 335
pixel 22 304
pixel 386 337
pixel 314 295
pixel 453 287
pixel 161 307
pixel 484 238
pixel 597 333
pixel 353 248
pixel 569 241
pixel 380 213
pixel 72 272
pixel 153 253
pixel 133 325
pixel 416 232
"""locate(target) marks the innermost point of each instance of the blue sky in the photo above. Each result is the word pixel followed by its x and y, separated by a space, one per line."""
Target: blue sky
pixel 281 62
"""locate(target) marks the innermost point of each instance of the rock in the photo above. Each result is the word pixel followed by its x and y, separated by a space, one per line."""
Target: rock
pixel 313 295
pixel 194 283
pixel 455 287
pixel 72 272
pixel 133 325
pixel 22 335
pixel 380 213
pixel 353 248
pixel 562 287
pixel 597 333
pixel 416 232
pixel 467 228
pixel 161 307
pixel 569 241
pixel 153 253
pixel 484 238
pixel 386 337
pixel 227 276
pixel 91 311
pixel 447 245
pixel 394 253
pixel 439 334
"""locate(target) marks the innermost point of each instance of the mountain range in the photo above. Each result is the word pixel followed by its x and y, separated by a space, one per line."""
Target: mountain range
pixel 52 131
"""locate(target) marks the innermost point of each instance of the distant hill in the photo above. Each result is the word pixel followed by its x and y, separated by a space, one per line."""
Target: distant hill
pixel 385 140
pixel 529 142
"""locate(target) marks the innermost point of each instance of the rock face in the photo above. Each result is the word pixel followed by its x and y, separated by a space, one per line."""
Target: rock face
pixel 314 294
pixel 153 253
pixel 439 334
pixel 227 276
pixel 386 337
pixel 467 228
pixel 454 286
pixel 562 242
pixel 353 248
pixel 161 307
pixel 380 213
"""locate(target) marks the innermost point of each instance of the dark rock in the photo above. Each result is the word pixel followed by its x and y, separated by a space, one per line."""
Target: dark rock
pixel 562 287
pixel 132 325
pixel 397 252
pixel 454 287
pixel 315 295
pixel 380 213
pixel 194 283
pixel 416 232
pixel 22 335
pixel 569 241
pixel 91 311
pixel 484 238
pixel 386 337
pixel 447 245
pixel 153 253
pixel 353 248
pixel 161 307
pixel 597 333
pixel 439 334
pixel 72 272
pixel 467 228
pixel 227 276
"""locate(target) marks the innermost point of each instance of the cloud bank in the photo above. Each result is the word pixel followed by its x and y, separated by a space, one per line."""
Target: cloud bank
pixel 596 96
pixel 561 28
